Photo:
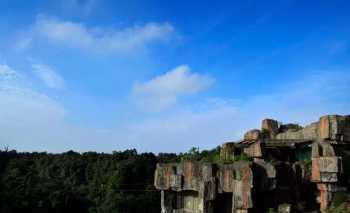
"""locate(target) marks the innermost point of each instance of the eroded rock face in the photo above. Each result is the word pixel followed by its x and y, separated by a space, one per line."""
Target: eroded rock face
pixel 270 126
pixel 252 135
pixel 197 184
pixel 254 150
pixel 329 127
pixel 283 167
pixel 334 127
pixel 227 151
pixel 308 132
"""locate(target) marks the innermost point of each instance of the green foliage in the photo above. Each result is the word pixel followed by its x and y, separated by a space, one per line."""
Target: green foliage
pixel 210 156
pixel 73 182
pixel 192 154
pixel 121 182
pixel 339 209
pixel 242 157
pixel 339 198
pixel 271 210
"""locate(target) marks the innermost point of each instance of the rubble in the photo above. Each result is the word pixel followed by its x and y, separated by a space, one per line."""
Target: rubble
pixel 288 168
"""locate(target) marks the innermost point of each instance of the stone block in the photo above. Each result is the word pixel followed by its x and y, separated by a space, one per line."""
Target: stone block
pixel 324 197
pixel 191 175
pixel 208 190
pixel 176 182
pixel 334 127
pixel 206 171
pixel 322 149
pixel 266 173
pixel 252 135
pixel 241 211
pixel 167 201
pixel 162 176
pixel 270 126
pixel 329 164
pixel 243 184
pixel 254 150
pixel 226 177
pixel 309 132
pixel 227 151
pixel 325 169
pixel 285 208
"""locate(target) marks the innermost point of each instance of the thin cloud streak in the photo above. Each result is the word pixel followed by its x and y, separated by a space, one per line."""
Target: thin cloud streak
pixel 49 76
pixel 45 124
pixel 96 39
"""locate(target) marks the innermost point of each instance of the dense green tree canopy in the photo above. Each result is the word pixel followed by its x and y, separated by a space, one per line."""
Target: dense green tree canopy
pixel 121 182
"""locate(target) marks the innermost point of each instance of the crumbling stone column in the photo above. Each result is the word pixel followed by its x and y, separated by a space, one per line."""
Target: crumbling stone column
pixel 334 127
pixel 252 135
pixel 227 152
pixel 237 178
pixel 325 170
pixel 270 126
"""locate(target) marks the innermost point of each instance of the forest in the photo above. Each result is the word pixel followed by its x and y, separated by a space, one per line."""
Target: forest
pixel 118 182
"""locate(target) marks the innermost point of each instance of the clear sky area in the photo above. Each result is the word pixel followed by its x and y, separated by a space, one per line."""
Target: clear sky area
pixel 164 76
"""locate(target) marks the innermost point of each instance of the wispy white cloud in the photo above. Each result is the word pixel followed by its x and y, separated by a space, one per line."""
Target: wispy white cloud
pixel 25 113
pixel 6 72
pixel 302 101
pixel 96 39
pixel 48 75
pixel 164 90
pixel 31 120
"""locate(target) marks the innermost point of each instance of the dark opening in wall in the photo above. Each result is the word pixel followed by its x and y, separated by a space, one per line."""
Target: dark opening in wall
pixel 223 203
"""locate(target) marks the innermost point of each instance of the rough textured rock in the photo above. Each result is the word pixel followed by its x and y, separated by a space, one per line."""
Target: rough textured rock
pixel 243 183
pixel 252 135
pixel 325 169
pixel 162 176
pixel 227 151
pixel 285 208
pixel 329 127
pixel 308 132
pixel 226 177
pixel 322 149
pixel 286 165
pixel 270 126
pixel 326 194
pixel 335 127
pixel 254 150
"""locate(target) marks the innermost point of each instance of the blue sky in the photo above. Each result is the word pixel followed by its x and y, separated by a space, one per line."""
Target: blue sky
pixel 160 76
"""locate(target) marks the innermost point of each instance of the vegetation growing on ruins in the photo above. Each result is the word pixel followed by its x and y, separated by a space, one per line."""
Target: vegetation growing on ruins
pixel 210 156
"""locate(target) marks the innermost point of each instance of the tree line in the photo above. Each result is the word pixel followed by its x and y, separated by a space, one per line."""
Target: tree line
pixel 120 182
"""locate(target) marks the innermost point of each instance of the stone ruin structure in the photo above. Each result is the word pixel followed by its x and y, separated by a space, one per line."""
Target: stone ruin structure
pixel 289 169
